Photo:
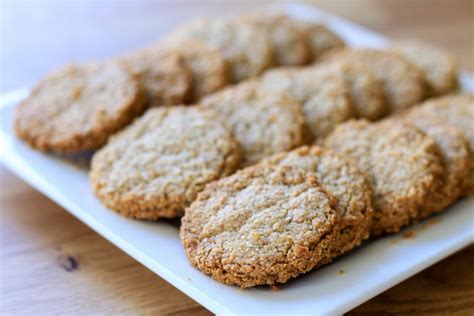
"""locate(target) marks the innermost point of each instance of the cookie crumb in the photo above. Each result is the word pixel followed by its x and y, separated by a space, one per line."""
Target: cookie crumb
pixel 432 221
pixel 274 288
pixel 394 241
pixel 409 235
pixel 341 272
pixel 68 263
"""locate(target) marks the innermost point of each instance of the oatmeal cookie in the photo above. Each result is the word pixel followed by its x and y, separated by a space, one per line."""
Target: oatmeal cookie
pixel 78 107
pixel 263 123
pixel 262 225
pixel 155 167
pixel 319 38
pixel 401 163
pixel 438 66
pixel 402 82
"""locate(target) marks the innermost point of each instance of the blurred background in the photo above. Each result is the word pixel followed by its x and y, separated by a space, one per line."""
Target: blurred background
pixel 37 36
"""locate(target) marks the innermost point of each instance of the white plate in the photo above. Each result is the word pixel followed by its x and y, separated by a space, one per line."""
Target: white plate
pixel 367 271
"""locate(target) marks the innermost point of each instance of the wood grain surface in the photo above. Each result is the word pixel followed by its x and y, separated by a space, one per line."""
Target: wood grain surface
pixel 51 263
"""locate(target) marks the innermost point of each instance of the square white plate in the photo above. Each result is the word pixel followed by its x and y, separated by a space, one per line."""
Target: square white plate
pixel 368 271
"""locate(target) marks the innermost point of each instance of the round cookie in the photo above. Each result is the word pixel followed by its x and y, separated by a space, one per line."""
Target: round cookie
pixel 454 151
pixel 319 38
pixel 156 166
pixel 365 91
pixel 288 43
pixel 263 123
pixel 457 111
pixel 401 163
pixel 78 107
pixel 323 95
pixel 244 46
pixel 209 70
pixel 345 183
pixel 262 225
pixel 402 82
pixel 164 76
pixel 438 66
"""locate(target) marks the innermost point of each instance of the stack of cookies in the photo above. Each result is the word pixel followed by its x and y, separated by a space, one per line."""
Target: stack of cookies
pixel 278 172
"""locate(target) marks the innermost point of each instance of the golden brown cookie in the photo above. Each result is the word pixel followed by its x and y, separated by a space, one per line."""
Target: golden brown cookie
pixel 401 163
pixel 210 72
pixel 454 150
pixel 156 166
pixel 319 38
pixel 262 225
pixel 165 78
pixel 456 110
pixel 438 66
pixel 78 107
pixel 323 95
pixel 345 183
pixel 402 82
pixel 288 43
pixel 263 123
pixel 244 46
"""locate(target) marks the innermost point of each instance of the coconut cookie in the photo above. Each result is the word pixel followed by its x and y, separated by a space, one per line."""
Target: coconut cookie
pixel 209 70
pixel 401 163
pixel 164 77
pixel 402 82
pixel 156 166
pixel 365 90
pixel 319 38
pixel 457 111
pixel 262 225
pixel 323 95
pixel 78 107
pixel 454 151
pixel 244 46
pixel 438 66
pixel 342 180
pixel 263 123
pixel 288 43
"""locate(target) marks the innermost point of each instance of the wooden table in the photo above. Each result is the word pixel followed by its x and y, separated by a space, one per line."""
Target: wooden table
pixel 52 263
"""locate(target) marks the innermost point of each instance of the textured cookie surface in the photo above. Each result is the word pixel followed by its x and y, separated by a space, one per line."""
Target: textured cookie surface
pixel 156 166
pixel 401 163
pixel 319 38
pixel 263 123
pixel 454 151
pixel 244 46
pixel 403 83
pixel 457 111
pixel 262 225
pixel 438 66
pixel 364 89
pixel 345 183
pixel 288 42
pixel 323 95
pixel 78 107
pixel 210 72
pixel 164 76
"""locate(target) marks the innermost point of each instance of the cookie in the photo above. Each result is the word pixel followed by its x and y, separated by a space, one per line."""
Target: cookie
pixel 454 151
pixel 403 83
pixel 244 46
pixel 78 107
pixel 365 91
pixel 319 38
pixel 345 183
pixel 155 167
pixel 263 123
pixel 210 72
pixel 456 110
pixel 438 66
pixel 288 43
pixel 262 225
pixel 324 96
pixel 400 162
pixel 164 76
